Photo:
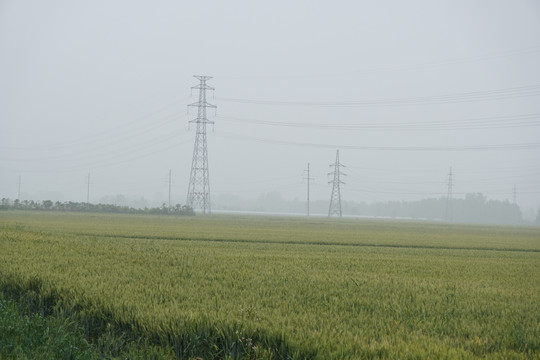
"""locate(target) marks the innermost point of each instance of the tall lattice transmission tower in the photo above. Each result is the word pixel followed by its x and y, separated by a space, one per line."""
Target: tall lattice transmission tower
pixel 448 216
pixel 335 199
pixel 198 196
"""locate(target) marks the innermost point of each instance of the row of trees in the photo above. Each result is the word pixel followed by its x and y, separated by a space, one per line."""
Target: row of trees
pixel 472 208
pixel 48 205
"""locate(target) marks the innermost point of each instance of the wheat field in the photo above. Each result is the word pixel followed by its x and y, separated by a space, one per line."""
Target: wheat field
pixel 231 287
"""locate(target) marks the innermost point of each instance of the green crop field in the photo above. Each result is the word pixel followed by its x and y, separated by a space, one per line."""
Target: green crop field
pixel 227 287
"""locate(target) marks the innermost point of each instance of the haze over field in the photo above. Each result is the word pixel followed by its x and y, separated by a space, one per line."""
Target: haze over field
pixel 405 90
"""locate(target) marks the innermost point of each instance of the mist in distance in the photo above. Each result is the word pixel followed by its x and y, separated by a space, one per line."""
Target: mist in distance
pixel 405 91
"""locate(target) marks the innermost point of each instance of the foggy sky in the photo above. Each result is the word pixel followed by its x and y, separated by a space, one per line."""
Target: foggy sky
pixel 405 90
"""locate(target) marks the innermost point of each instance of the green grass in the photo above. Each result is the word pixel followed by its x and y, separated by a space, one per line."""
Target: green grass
pixel 31 336
pixel 255 287
pixel 27 333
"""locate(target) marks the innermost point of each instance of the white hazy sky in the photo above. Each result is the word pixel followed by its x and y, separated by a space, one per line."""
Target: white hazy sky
pixel 405 90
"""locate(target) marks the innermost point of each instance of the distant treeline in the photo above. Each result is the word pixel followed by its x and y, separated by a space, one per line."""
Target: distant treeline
pixel 472 208
pixel 48 205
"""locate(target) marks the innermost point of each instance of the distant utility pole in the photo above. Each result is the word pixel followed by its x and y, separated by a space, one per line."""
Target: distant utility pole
pixel 517 213
pixel 308 181
pixel 335 199
pixel 88 189
pixel 170 189
pixel 198 196
pixel 449 213
pixel 19 191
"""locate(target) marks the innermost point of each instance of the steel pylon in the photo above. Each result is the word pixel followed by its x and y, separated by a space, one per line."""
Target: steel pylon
pixel 335 199
pixel 198 196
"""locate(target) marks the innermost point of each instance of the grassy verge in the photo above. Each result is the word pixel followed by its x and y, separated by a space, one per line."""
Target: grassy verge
pixel 33 326
pixel 26 335
pixel 37 322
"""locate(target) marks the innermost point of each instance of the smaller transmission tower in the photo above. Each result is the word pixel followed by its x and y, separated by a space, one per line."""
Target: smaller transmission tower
pixel 517 211
pixel 88 189
pixel 308 179
pixel 448 216
pixel 335 199
pixel 199 181
pixel 170 182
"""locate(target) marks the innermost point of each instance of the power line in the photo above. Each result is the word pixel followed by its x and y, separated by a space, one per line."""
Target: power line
pixel 491 147
pixel 130 149
pixel 116 134
pixel 495 122
pixel 399 68
pixel 105 163
pixel 471 96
